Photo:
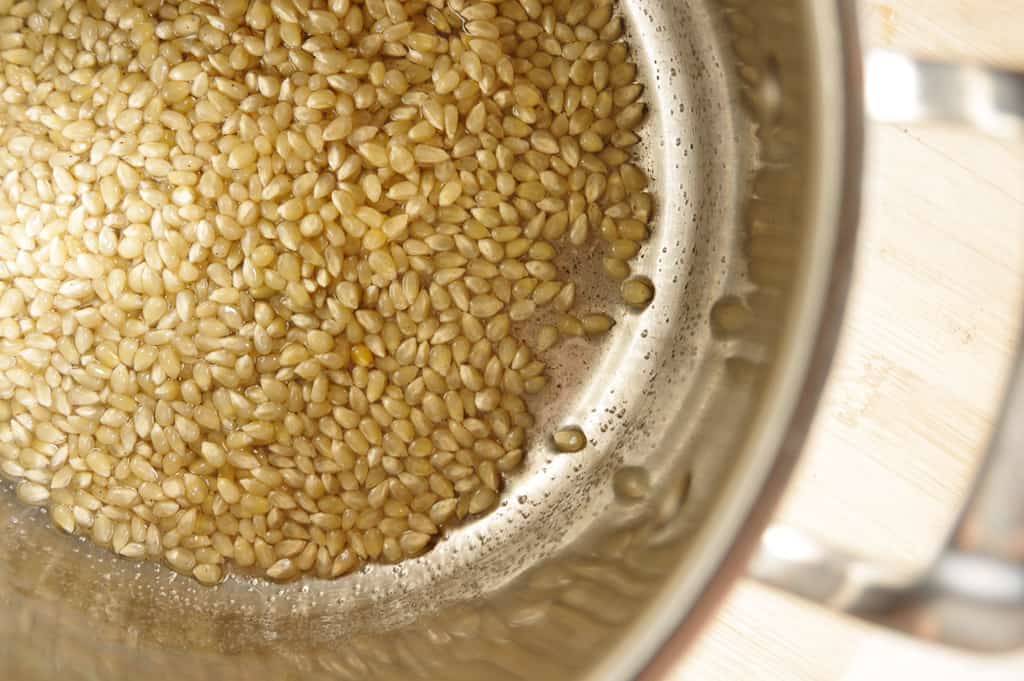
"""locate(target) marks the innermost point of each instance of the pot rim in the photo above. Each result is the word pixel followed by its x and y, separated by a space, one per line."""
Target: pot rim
pixel 694 596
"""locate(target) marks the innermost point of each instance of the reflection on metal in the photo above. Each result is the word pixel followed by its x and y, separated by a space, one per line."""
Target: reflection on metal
pixel 903 90
pixel 967 600
pixel 798 563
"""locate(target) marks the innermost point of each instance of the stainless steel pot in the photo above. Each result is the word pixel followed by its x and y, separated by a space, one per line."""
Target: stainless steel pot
pixel 696 409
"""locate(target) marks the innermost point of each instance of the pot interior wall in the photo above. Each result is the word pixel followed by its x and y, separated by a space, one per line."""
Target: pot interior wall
pixel 583 544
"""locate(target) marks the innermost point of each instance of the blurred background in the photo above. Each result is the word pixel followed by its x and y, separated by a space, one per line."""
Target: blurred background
pixel 937 300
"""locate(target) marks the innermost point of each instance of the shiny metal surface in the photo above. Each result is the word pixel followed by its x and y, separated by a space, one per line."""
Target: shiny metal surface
pixel 973 594
pixel 695 408
pixel 903 90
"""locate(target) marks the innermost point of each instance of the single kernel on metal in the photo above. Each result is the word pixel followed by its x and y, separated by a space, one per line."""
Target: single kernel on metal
pixel 596 323
pixel 569 439
pixel 637 292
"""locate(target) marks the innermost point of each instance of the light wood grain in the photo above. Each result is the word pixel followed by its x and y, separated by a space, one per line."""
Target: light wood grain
pixel 985 30
pixel 938 298
pixel 932 323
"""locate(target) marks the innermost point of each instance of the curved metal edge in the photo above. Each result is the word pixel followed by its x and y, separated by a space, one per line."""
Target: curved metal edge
pixel 734 564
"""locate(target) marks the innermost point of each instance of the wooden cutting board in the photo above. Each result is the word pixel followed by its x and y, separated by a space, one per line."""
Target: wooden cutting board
pixel 938 296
